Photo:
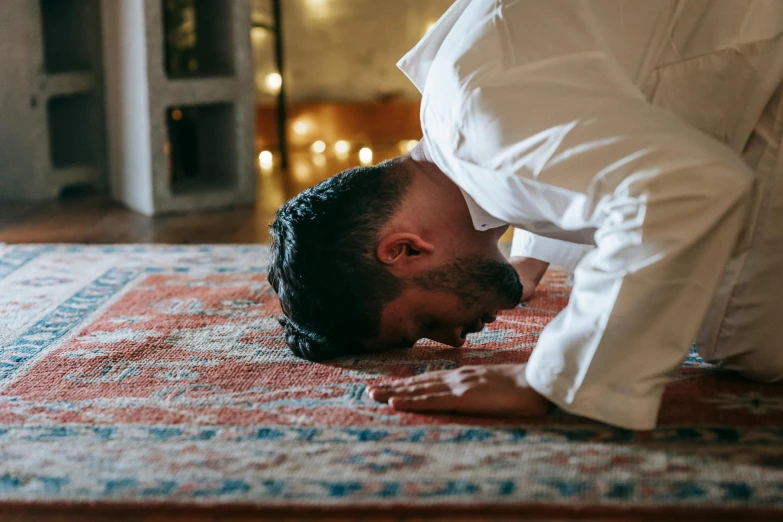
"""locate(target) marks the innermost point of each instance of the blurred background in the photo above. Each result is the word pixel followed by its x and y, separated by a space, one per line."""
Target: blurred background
pixel 193 120
pixel 346 102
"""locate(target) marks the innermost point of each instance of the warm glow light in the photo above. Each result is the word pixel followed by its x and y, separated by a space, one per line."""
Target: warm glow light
pixel 429 27
pixel 318 147
pixel 365 155
pixel 319 160
pixel 318 8
pixel 301 128
pixel 273 81
pixel 176 114
pixel 258 33
pixel 265 159
pixel 302 172
pixel 406 146
pixel 341 147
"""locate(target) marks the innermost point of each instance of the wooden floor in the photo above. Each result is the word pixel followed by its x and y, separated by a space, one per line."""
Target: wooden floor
pixel 86 218
pixel 95 219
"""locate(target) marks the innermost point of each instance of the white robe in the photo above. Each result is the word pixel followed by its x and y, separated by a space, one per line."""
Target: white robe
pixel 612 133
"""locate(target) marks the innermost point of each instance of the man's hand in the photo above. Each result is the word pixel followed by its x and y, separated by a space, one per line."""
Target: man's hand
pixel 530 272
pixel 497 390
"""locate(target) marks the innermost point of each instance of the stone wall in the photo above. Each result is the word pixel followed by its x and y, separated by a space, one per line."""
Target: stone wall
pixel 51 105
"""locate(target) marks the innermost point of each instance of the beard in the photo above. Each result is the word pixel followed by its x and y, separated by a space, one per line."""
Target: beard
pixel 473 278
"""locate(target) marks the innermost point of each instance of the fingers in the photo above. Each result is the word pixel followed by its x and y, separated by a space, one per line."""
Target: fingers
pixel 443 401
pixel 384 393
pixel 423 378
pixel 380 392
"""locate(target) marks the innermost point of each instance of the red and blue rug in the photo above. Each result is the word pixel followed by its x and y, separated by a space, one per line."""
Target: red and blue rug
pixel 141 375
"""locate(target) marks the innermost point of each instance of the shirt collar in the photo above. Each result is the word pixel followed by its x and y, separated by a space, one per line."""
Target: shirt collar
pixel 482 220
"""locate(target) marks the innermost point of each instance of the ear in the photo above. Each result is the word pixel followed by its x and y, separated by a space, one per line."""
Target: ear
pixel 400 247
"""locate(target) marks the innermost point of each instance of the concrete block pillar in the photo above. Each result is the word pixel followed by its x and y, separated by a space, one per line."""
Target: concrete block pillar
pixel 51 101
pixel 180 131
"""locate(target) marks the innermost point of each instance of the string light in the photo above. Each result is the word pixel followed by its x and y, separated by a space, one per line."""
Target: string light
pixel 301 128
pixel 406 146
pixel 318 8
pixel 274 81
pixel 319 160
pixel 258 33
pixel 301 172
pixel 265 159
pixel 176 115
pixel 365 156
pixel 342 147
pixel 318 147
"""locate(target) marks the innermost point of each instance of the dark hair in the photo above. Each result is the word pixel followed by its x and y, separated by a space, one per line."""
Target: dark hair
pixel 323 266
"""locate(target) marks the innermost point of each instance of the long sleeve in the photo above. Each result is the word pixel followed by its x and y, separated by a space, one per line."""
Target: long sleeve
pixel 640 297
pixel 557 252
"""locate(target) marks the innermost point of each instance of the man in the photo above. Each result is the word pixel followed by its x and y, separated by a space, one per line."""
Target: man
pixel 636 142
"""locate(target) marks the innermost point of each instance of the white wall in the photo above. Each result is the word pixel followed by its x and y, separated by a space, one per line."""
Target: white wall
pixel 341 50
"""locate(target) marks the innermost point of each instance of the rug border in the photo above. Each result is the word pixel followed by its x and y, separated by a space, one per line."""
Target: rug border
pixel 694 513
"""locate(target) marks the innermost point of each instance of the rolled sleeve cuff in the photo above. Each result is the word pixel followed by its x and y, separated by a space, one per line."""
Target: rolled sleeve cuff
pixel 560 253
pixel 598 403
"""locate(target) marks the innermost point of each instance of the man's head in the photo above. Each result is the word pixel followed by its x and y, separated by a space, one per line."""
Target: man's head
pixel 379 257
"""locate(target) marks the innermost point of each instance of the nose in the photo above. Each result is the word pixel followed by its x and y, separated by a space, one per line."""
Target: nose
pixel 451 336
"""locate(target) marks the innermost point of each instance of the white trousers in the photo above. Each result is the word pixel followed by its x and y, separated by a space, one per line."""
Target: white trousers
pixel 743 330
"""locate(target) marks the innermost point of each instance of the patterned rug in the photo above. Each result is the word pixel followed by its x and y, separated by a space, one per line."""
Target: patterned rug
pixel 141 375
